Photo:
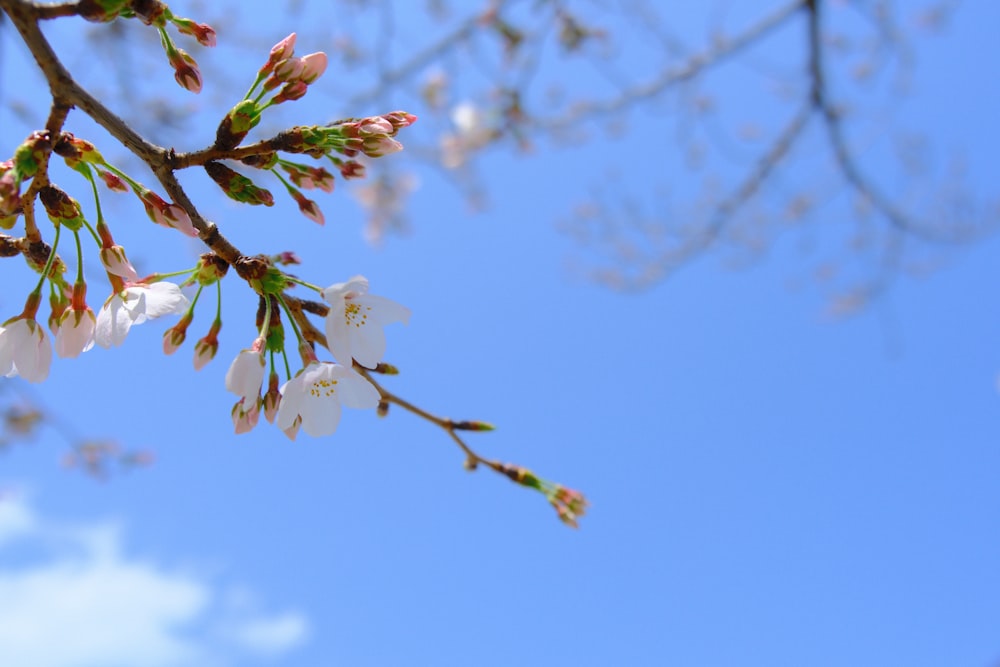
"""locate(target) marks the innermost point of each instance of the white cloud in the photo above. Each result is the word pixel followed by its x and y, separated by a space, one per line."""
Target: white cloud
pixel 85 604
pixel 270 635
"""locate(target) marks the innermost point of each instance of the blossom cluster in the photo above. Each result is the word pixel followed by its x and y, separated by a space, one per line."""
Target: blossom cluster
pixel 312 399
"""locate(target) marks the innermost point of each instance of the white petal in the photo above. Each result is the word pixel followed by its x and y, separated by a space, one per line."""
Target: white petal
pixel 368 345
pixel 246 375
pixel 32 354
pixel 320 416
pixel 113 322
pixel 163 298
pixel 357 392
pixel 383 310
pixel 76 332
pixel 338 339
pixel 339 291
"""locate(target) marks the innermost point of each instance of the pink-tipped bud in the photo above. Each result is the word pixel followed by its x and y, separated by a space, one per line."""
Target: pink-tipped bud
pixel 272 398
pixel 113 181
pixel 172 339
pixel 283 50
pixel 374 125
pixel 286 258
pixel 203 32
pixel 352 169
pixel 379 146
pixel 292 91
pixel 288 70
pixel 400 119
pixel 204 351
pixel 308 207
pixel 185 70
pixel 116 263
pixel 244 420
pixel 313 66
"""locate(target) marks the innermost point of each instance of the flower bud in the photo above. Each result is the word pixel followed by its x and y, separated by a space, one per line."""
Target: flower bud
pixel 117 264
pixel 308 207
pixel 113 181
pixel 236 124
pixel 61 208
pixel 283 50
pixel 28 156
pixel 210 269
pixel 186 71
pixel 237 186
pixel 203 32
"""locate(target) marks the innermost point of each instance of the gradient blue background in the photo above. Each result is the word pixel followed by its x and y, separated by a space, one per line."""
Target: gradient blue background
pixel 769 485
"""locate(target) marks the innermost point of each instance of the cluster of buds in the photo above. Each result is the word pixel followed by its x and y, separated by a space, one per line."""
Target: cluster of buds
pixel 157 14
pixel 372 136
pixel 283 69
pixel 295 74
pixel 569 504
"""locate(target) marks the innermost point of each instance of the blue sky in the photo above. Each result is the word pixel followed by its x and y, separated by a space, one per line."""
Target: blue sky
pixel 770 485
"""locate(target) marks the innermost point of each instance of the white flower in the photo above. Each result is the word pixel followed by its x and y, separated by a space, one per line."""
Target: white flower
pixel 134 305
pixel 354 323
pixel 76 332
pixel 25 351
pixel 246 375
pixel 316 394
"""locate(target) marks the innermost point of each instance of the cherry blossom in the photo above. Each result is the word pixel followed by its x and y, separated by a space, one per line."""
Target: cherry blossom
pixel 76 332
pixel 246 374
pixel 354 323
pixel 25 350
pixel 134 305
pixel 316 394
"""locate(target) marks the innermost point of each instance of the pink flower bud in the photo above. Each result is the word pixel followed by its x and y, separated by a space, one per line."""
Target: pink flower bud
pixel 113 181
pixel 172 339
pixel 185 70
pixel 374 125
pixel 283 50
pixel 204 351
pixel 313 66
pixel 308 207
pixel 289 69
pixel 116 263
pixel 352 169
pixel 245 420
pixel 400 119
pixel 203 32
pixel 291 92
pixel 379 146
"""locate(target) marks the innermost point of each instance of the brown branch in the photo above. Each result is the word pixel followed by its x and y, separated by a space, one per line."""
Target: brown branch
pixel 695 66
pixel 845 160
pixel 66 93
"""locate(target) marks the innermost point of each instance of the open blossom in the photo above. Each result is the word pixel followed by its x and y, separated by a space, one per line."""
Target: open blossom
pixel 76 332
pixel 134 305
pixel 314 398
pixel 354 323
pixel 25 350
